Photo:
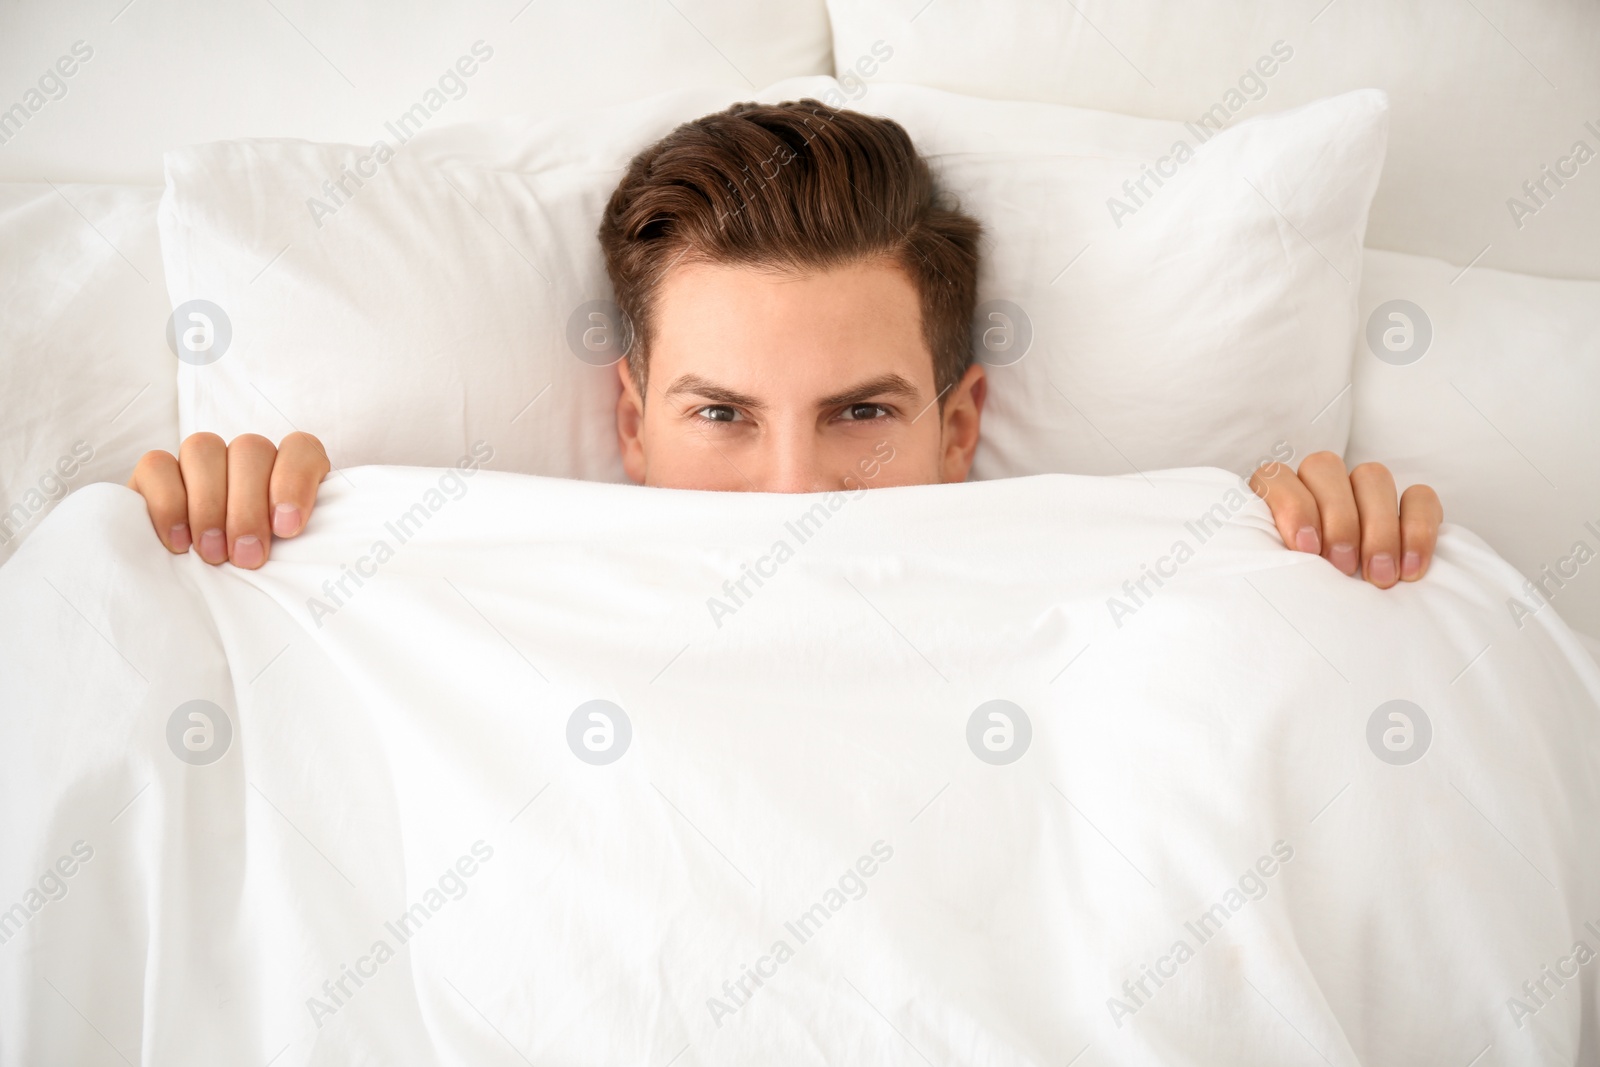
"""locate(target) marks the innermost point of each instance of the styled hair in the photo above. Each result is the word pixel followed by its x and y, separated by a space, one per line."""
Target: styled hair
pixel 796 186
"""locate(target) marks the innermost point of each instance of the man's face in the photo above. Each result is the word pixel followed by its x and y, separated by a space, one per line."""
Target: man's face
pixel 794 383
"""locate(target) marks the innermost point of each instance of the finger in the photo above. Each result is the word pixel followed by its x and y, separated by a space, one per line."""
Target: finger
pixel 1294 509
pixel 1324 474
pixel 203 460
pixel 1420 516
pixel 156 478
pixel 302 464
pixel 1380 523
pixel 250 459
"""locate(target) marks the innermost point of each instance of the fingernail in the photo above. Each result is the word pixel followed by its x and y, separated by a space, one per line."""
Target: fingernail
pixel 1307 540
pixel 178 536
pixel 1381 569
pixel 247 551
pixel 213 546
pixel 285 520
pixel 1410 565
pixel 1344 557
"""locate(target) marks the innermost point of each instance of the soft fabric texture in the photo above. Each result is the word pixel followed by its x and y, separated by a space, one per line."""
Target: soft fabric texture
pixel 188 71
pixel 1490 395
pixel 1202 318
pixel 440 297
pixel 1485 97
pixel 1215 740
pixel 85 375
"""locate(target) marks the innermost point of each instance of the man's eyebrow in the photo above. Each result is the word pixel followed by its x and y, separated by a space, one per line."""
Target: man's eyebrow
pixel 695 385
pixel 885 385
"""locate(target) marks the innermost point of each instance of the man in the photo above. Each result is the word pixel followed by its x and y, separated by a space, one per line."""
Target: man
pixel 799 300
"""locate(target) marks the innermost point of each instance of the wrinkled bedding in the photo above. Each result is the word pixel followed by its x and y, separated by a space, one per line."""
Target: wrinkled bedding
pixel 495 769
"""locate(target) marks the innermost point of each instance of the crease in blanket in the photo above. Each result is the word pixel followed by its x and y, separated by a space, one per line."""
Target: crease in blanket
pixel 518 795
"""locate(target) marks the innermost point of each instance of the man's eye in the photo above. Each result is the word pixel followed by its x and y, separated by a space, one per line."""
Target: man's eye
pixel 718 413
pixel 864 412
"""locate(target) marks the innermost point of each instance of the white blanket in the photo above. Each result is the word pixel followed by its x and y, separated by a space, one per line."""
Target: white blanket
pixel 358 807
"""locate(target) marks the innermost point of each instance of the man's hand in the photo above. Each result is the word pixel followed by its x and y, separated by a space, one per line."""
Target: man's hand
pixel 234 496
pixel 1352 520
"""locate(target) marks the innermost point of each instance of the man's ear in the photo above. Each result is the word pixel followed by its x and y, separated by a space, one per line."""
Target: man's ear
pixel 963 411
pixel 630 425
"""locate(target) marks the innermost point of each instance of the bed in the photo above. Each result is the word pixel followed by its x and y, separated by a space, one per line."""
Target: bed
pixel 1092 772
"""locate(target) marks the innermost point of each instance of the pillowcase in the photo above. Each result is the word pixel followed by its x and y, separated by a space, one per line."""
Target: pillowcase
pixel 87 381
pixel 405 304
pixel 420 306
pixel 1484 384
pixel 1473 121
pixel 1190 302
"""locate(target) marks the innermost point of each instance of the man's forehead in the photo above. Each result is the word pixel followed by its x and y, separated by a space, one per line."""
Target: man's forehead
pixel 871 297
pixel 731 333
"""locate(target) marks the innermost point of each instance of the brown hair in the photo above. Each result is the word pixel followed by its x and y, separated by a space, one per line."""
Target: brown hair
pixel 795 186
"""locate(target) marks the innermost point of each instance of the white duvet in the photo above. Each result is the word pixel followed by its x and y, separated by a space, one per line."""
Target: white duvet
pixel 362 806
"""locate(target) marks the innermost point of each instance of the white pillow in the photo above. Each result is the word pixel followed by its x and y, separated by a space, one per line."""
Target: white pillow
pixel 438 304
pixel 430 310
pixel 1206 324
pixel 87 380
pixel 1474 89
pixel 1486 388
